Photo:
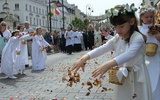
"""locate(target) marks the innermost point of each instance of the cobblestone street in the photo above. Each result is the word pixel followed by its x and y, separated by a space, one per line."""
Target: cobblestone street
pixel 47 84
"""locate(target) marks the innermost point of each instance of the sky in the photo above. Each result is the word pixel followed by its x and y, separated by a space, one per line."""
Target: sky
pixel 99 6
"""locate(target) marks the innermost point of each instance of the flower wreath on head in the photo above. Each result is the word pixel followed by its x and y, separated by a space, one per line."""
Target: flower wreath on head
pixel 146 9
pixel 123 9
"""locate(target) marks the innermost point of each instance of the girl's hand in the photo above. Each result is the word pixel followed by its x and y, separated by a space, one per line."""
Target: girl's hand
pixel 51 46
pixel 157 36
pixel 100 71
pixel 32 33
pixel 80 63
pixel 42 48
pixel 6 38
pixel 103 69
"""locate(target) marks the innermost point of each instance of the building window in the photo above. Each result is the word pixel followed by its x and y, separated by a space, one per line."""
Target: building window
pixel 46 23
pixel 43 11
pixel 36 9
pixel 33 8
pixel 16 6
pixel 26 7
pixel 53 24
pixel 34 21
pixel 26 18
pixel 37 21
pixel 40 22
pixel 39 10
pixel 30 8
pixel 43 22
pixel 31 20
pixel 45 1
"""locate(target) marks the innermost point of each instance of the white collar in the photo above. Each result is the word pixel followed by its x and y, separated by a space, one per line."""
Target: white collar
pixel 146 26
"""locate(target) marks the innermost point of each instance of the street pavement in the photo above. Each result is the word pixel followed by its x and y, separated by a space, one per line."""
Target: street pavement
pixel 48 84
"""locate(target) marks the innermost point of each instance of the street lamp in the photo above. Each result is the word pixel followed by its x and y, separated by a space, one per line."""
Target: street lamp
pixel 89 10
pixel 63 14
pixel 57 3
pixel 88 7
pixel 50 15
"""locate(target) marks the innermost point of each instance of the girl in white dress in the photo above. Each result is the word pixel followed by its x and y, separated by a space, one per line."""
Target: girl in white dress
pixel 147 20
pixel 38 50
pixel 22 59
pixel 128 45
pixel 9 54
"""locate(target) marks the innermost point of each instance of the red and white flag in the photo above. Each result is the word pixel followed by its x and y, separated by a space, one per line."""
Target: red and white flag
pixel 57 11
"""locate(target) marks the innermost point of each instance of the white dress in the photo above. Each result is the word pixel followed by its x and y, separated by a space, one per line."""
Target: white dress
pixel 132 55
pixel 24 50
pixel 9 55
pixel 22 59
pixel 97 39
pixel 38 56
pixel 154 66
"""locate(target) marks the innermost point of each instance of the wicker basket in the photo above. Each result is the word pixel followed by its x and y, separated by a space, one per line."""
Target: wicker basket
pixel 113 78
pixel 151 49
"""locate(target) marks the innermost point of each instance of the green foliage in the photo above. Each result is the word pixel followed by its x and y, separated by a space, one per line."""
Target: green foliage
pixel 77 22
pixel 50 14
pixel 63 18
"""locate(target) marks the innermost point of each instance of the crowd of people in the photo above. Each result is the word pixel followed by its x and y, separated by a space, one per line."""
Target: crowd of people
pixel 127 39
pixel 25 42
pixel 73 40
pixel 18 46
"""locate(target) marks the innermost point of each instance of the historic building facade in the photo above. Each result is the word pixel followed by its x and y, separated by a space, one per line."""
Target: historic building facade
pixel 36 12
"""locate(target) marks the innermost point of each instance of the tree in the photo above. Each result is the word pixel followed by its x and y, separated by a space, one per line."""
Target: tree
pixel 50 14
pixel 77 22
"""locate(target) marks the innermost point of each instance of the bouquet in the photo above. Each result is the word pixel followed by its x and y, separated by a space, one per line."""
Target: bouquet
pixel 154 30
pixel 24 41
pixel 18 52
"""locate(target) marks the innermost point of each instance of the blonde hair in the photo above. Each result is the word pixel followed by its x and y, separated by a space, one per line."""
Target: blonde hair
pixel 3 23
pixel 143 9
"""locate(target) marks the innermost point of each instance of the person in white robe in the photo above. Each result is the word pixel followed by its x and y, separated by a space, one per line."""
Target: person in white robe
pixel 97 38
pixel 29 41
pixel 23 57
pixel 38 51
pixel 69 36
pixel 9 54
pixel 77 40
pixel 154 65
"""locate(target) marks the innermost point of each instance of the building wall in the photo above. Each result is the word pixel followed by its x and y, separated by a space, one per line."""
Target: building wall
pixel 35 12
pixel 28 10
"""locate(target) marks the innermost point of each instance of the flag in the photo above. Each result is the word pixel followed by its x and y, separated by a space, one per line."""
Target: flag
pixel 57 11
pixel 53 10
